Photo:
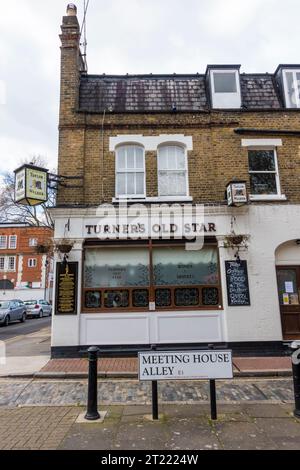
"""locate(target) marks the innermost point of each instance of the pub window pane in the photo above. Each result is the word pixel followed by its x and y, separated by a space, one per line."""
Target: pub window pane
pixel 139 183
pixel 140 298
pixel 174 266
pixel 93 299
pixel 210 296
pixel 116 299
pixel 121 158
pixel 113 267
pixel 130 158
pixel 262 160
pixel 121 183
pixel 225 82
pixel 3 242
pixel 186 297
pixel 130 170
pixel 163 297
pixel 263 183
pixel 130 183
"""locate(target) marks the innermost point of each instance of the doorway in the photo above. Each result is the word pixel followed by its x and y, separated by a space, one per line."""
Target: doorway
pixel 288 279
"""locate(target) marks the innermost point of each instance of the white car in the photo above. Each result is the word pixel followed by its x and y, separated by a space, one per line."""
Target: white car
pixel 38 308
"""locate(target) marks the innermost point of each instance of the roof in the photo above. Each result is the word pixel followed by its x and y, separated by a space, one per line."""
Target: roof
pixel 167 93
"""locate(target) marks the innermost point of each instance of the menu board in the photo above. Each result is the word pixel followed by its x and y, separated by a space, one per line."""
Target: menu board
pixel 237 283
pixel 66 288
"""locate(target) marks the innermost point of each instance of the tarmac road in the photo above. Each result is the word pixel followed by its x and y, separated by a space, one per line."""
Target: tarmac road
pixel 19 329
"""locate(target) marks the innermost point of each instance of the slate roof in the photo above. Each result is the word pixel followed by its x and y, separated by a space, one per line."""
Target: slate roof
pixel 166 93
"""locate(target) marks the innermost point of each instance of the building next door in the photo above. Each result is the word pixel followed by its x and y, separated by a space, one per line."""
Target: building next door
pixel 288 279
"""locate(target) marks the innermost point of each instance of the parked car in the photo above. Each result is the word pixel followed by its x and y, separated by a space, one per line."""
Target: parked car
pixel 38 308
pixel 12 310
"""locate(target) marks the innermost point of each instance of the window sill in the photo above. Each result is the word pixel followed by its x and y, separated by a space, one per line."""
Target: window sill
pixel 273 197
pixel 155 199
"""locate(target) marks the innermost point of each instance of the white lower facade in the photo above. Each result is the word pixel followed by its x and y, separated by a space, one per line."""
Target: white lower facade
pixel 273 231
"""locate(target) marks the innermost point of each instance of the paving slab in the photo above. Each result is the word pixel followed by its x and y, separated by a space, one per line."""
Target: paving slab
pixel 242 436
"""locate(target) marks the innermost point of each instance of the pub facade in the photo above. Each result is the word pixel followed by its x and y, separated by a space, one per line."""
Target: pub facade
pixel 180 209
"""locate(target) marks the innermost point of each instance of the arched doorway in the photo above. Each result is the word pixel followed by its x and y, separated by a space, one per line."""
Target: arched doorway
pixel 288 280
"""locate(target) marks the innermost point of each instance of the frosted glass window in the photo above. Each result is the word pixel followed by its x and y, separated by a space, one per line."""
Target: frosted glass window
pixel 174 266
pixel 113 267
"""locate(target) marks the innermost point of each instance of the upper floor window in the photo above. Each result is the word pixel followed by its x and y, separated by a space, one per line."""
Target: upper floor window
pixel 13 242
pixel 130 171
pixel 172 171
pixel 291 81
pixel 3 242
pixel 225 88
pixel 33 241
pixel 2 263
pixel 263 169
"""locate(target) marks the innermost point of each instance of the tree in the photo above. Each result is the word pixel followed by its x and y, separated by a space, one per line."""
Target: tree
pixel 10 212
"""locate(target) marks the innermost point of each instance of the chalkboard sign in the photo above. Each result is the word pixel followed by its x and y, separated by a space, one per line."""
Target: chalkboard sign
pixel 237 283
pixel 66 289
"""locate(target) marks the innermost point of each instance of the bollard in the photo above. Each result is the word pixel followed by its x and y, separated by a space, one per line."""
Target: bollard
pixel 154 401
pixel 92 405
pixel 296 376
pixel 213 400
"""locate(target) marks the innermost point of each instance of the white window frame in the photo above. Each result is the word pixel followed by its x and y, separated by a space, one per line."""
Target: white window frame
pixel 3 246
pixel 12 246
pixel 33 242
pixel 32 263
pixel 186 170
pixel 288 103
pixel 9 269
pixel 226 100
pixel 126 170
pixel 278 195
pixel 4 262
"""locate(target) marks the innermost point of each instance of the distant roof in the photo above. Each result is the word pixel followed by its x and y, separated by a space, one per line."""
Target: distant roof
pixel 166 93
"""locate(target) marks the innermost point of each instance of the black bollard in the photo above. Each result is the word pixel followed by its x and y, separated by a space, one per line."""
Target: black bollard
pixel 154 400
pixel 92 404
pixel 213 400
pixel 296 376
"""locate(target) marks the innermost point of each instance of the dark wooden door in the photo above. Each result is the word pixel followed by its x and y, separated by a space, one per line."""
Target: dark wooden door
pixel 288 279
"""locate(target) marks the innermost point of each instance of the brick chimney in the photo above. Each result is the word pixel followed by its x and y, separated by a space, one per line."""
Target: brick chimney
pixel 72 64
pixel 70 152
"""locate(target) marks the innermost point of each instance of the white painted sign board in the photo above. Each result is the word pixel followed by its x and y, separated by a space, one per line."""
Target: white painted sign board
pixel 185 365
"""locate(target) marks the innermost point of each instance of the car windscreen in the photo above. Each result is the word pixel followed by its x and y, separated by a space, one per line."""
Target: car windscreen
pixel 4 305
pixel 30 302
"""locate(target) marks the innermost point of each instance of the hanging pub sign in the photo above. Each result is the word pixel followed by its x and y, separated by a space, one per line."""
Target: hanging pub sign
pixel 66 289
pixel 31 185
pixel 237 193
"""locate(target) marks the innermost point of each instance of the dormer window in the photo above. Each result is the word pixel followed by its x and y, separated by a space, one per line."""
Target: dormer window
pixel 225 87
pixel 291 83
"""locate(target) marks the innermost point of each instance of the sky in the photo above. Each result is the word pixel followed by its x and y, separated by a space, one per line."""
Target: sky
pixel 127 36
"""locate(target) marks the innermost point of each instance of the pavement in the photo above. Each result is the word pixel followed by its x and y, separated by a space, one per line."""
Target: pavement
pixel 180 427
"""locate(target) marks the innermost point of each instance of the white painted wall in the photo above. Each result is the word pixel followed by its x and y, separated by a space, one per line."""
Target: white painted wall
pixel 269 226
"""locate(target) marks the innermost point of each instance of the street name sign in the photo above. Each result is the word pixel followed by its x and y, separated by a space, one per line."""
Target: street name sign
pixel 185 365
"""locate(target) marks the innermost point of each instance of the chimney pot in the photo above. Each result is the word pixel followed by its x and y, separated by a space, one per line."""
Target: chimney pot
pixel 71 10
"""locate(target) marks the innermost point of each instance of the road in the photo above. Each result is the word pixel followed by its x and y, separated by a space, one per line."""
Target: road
pixel 25 347
pixel 30 326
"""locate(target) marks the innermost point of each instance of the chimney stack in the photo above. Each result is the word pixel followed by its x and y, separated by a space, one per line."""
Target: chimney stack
pixel 71 9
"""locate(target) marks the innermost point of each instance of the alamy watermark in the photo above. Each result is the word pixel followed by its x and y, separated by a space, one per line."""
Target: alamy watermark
pixel 2 353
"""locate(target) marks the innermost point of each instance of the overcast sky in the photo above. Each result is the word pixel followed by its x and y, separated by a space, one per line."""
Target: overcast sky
pixel 127 36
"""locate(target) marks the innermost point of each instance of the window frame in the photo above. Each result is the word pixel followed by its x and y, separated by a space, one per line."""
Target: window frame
pixel 151 287
pixel 218 99
pixel 4 263
pixel 12 237
pixel 126 171
pixel 32 265
pixel 33 242
pixel 186 170
pixel 278 194
pixel 3 237
pixel 287 100
pixel 9 269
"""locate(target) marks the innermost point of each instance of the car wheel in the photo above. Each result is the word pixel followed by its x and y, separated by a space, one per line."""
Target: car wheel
pixel 7 319
pixel 23 319
pixel 41 314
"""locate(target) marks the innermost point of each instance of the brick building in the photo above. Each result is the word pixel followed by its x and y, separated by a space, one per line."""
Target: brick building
pixel 178 140
pixel 24 272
